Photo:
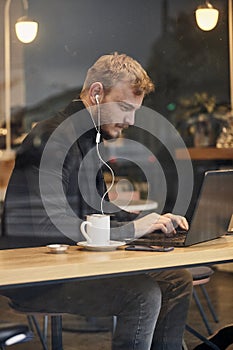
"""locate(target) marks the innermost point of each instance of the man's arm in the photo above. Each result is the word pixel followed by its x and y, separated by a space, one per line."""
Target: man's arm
pixel 130 225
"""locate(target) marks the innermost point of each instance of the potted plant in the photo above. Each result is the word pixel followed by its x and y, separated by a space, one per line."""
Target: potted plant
pixel 200 119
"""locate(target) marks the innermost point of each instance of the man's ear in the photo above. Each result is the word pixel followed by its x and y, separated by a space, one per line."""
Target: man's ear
pixel 96 89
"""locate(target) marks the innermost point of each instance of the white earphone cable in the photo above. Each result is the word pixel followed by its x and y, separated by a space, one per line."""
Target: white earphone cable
pixel 98 137
pixel 100 157
pixel 112 182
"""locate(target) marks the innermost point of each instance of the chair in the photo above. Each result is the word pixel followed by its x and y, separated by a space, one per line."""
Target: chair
pixel 201 276
pixel 56 329
pixel 56 326
pixel 13 333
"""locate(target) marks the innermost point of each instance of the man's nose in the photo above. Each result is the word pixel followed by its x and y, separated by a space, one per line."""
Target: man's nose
pixel 129 119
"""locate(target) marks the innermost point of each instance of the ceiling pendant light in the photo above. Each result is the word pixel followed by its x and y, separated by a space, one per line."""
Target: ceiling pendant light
pixel 206 16
pixel 26 29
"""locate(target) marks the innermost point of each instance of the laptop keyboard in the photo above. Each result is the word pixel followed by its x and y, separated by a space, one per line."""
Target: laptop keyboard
pixel 161 239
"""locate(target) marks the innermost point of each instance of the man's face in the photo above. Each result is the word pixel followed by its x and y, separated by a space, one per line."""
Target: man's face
pixel 117 110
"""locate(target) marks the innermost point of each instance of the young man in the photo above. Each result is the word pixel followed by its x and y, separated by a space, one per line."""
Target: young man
pixel 57 181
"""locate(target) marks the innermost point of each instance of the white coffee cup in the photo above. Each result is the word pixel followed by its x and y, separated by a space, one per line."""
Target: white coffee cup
pixel 96 229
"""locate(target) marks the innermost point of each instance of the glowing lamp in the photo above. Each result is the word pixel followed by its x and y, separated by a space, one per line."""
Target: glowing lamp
pixel 26 29
pixel 207 17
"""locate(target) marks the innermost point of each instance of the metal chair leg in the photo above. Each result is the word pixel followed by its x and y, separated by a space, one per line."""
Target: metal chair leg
pixel 210 305
pixel 56 332
pixel 45 327
pixel 30 323
pixel 184 346
pixel 202 312
pixel 114 323
pixel 201 337
pixel 34 321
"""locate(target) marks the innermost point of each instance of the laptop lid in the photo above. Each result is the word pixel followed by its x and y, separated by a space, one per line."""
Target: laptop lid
pixel 214 207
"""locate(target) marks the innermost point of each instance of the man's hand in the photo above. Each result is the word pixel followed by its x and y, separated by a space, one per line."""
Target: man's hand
pixel 167 223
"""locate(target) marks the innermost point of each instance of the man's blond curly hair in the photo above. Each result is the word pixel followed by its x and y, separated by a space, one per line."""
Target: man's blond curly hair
pixel 110 69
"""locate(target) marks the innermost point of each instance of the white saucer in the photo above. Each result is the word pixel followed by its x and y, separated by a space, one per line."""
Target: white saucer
pixel 99 248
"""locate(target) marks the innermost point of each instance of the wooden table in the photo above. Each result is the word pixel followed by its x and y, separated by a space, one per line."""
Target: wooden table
pixel 205 153
pixel 36 265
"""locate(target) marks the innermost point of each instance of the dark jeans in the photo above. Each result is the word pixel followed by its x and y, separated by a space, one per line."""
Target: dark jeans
pixel 151 308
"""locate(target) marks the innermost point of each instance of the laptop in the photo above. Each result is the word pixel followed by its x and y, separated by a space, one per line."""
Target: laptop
pixel 211 217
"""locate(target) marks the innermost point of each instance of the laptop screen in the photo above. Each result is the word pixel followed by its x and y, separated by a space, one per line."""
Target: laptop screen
pixel 214 207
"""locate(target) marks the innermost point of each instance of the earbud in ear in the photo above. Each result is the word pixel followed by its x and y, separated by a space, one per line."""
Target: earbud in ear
pixel 97 99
